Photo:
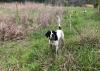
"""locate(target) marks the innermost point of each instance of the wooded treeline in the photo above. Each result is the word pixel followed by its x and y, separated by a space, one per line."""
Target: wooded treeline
pixel 60 2
pixel 52 1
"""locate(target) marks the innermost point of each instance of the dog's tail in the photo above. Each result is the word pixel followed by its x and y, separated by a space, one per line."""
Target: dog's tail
pixel 59 22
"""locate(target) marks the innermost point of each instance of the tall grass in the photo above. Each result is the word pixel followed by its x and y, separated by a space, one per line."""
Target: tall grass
pixel 82 40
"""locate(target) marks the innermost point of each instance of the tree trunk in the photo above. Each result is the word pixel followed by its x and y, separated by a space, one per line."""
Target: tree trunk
pixel 96 5
pixel 98 9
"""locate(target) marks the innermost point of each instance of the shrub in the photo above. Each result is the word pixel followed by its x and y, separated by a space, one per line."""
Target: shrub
pixel 11 31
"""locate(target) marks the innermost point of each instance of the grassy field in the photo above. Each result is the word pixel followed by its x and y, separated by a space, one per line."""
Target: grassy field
pixel 32 53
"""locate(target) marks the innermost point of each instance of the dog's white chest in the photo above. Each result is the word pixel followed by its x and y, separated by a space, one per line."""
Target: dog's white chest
pixel 55 43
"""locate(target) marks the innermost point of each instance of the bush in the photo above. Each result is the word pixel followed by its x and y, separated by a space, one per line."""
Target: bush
pixel 11 31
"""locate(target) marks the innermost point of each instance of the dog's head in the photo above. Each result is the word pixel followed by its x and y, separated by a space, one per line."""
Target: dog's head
pixel 52 35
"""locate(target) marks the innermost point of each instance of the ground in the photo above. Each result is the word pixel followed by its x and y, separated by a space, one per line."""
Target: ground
pixel 32 53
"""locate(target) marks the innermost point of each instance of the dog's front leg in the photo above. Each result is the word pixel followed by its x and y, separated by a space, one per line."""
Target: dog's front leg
pixel 57 47
pixel 57 50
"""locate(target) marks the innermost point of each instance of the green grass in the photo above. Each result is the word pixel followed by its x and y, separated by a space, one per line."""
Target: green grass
pixel 33 53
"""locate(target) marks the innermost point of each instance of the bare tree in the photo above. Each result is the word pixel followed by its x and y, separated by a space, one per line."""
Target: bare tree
pixel 57 2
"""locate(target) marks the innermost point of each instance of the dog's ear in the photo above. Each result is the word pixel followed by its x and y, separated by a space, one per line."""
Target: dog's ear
pixel 47 34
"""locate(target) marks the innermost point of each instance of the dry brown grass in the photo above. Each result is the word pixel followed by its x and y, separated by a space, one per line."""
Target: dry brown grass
pixel 89 5
pixel 18 19
pixel 49 17
pixel 89 35
pixel 11 31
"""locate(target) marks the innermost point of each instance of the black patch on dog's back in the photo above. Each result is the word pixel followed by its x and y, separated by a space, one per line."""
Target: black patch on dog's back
pixel 59 28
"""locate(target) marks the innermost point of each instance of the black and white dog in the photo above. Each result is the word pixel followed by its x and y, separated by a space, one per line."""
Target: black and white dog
pixel 56 38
